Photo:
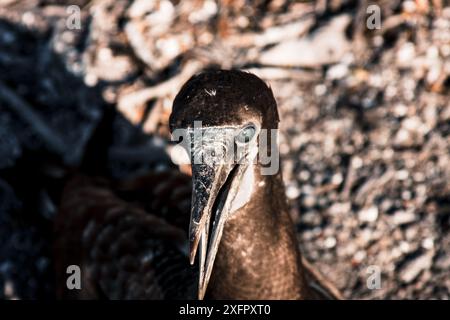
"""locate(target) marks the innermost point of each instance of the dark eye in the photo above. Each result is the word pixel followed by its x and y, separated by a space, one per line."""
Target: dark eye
pixel 246 134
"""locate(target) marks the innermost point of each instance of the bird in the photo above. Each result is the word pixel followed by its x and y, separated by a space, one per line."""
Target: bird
pixel 224 233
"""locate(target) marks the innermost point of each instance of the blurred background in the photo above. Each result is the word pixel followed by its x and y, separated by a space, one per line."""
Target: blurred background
pixel 363 99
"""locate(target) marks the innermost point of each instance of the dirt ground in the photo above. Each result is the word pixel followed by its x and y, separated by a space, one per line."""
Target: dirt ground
pixel 365 121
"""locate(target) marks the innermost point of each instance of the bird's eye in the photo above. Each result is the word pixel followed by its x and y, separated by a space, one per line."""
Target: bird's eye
pixel 246 134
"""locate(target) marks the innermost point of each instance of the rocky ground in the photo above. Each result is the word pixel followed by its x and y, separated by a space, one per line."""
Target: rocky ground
pixel 365 130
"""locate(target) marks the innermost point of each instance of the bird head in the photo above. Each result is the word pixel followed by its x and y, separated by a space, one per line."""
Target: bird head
pixel 218 117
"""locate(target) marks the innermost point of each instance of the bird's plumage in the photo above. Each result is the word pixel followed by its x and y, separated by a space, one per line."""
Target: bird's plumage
pixel 124 251
pixel 131 238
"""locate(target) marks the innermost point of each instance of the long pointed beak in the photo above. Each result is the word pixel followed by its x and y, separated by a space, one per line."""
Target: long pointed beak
pixel 211 186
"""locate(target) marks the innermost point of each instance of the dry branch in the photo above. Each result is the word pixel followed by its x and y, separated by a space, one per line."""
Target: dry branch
pixel 171 86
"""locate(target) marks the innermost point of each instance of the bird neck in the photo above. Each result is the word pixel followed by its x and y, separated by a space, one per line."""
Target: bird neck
pixel 258 257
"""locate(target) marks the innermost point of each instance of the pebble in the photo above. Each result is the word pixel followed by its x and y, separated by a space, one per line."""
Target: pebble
pixel 208 10
pixel 337 178
pixel 368 215
pixel 292 192
pixel 409 6
pixel 402 174
pixel 309 201
pixel 403 217
pixel 400 110
pixel 359 257
pixel 357 162
pixel 311 218
pixel 411 133
pixel 330 242
pixel 320 89
pixel 386 205
pixel 414 268
pixel 337 72
pixel 428 243
pixel 304 175
pixel 406 54
pixel 339 208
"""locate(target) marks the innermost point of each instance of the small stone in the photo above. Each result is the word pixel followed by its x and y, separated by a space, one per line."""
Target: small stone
pixel 337 72
pixel 445 50
pixel 339 208
pixel 357 162
pixel 320 89
pixel 378 41
pixel 391 91
pixel 404 247
pixel 337 179
pixel 406 195
pixel 403 138
pixel 411 233
pixel 415 267
pixel 364 238
pixel 292 192
pixel 90 79
pixel 419 177
pixel 432 53
pixel 359 257
pixel 304 175
pixel 411 133
pixel 403 217
pixel 400 110
pixel 409 6
pixel 309 201
pixel 386 205
pixel 406 54
pixel 368 215
pixel 430 114
pixel 140 8
pixel 330 242
pixel 311 218
pixel 402 174
pixel 428 243
pixel 208 10
pixel 376 80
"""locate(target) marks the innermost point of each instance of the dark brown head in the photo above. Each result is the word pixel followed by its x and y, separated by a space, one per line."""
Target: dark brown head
pixel 221 116
pixel 224 98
